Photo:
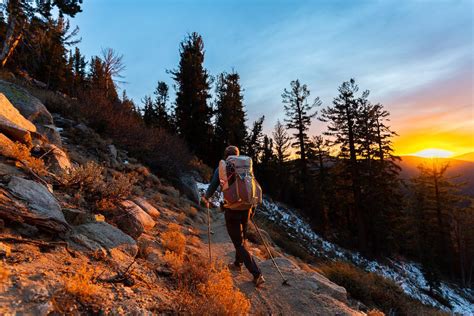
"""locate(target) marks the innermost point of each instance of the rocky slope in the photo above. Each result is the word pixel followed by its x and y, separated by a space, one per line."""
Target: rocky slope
pixel 86 229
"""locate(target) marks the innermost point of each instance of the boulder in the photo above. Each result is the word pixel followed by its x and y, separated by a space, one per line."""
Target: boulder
pixel 50 132
pixel 37 197
pixel 188 186
pixel 31 203
pixel 133 220
pixel 58 159
pixel 101 235
pixel 15 132
pixel 32 109
pixel 6 145
pixel 29 106
pixel 10 113
pixel 147 207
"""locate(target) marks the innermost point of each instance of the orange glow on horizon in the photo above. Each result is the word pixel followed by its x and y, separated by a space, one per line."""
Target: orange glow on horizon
pixel 413 142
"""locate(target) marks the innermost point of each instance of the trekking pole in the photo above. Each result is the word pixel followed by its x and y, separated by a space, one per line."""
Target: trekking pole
pixel 285 281
pixel 209 232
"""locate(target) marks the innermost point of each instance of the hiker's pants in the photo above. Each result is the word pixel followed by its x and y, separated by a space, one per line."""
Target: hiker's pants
pixel 237 222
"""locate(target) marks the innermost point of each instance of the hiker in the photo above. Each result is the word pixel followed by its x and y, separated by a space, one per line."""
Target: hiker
pixel 241 195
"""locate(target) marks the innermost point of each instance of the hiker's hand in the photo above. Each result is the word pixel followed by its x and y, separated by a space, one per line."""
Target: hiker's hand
pixel 252 213
pixel 205 201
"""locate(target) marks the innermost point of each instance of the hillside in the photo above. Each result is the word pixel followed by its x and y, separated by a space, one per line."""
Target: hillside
pixel 87 229
pixel 407 275
pixel 462 169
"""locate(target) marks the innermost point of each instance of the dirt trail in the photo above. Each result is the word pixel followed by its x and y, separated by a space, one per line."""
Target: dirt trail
pixel 309 293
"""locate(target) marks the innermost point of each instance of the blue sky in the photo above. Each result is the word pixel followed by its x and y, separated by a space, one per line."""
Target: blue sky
pixel 416 57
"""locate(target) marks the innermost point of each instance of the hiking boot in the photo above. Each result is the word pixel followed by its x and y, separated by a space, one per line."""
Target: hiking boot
pixel 258 280
pixel 235 267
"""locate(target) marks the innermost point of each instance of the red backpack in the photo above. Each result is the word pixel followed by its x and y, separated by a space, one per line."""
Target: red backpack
pixel 241 189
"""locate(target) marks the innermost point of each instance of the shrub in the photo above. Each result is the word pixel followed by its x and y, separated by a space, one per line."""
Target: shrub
pixel 85 177
pixel 173 239
pixel 374 290
pixel 89 181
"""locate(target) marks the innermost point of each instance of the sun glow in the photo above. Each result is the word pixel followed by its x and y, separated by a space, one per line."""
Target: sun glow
pixel 434 153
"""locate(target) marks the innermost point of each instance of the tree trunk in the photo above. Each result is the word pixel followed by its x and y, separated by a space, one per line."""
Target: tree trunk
pixel 361 229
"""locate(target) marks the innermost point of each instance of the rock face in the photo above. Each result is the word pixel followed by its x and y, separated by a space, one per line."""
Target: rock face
pixel 189 187
pixel 31 202
pixel 147 207
pixel 133 220
pixel 5 146
pixel 58 159
pixel 32 109
pixel 98 235
pixel 9 112
pixel 29 106
pixel 15 132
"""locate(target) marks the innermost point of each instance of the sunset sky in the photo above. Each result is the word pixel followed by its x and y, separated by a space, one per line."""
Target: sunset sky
pixel 416 57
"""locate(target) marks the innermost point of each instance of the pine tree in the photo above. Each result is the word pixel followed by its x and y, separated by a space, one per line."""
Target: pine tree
pixel 78 64
pixel 149 113
pixel 21 12
pixel 342 119
pixel 113 68
pixel 282 144
pixel 163 119
pixel 230 126
pixel 192 112
pixel 254 141
pixel 320 158
pixel 299 114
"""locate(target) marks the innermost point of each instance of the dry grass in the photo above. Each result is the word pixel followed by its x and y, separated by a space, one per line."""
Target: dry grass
pixel 80 285
pixel 374 290
pixel 181 218
pixel 220 297
pixel 173 239
pixel 76 288
pixel 209 289
pixel 173 260
pixel 22 154
pixel 4 273
pixel 204 289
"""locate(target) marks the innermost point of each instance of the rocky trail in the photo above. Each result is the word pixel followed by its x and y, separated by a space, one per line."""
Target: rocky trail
pixel 308 293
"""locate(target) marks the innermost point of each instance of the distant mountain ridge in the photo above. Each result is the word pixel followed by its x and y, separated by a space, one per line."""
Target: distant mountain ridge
pixel 465 157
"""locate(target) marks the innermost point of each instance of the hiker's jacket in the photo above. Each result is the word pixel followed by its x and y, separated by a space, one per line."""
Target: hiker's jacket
pixel 213 185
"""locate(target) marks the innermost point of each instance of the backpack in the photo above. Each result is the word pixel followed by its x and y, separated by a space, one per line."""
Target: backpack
pixel 241 189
